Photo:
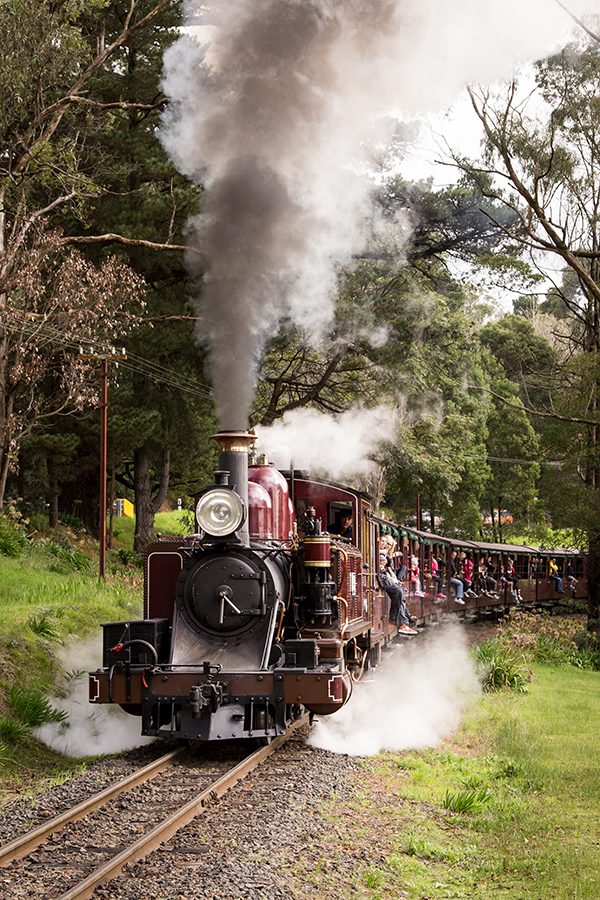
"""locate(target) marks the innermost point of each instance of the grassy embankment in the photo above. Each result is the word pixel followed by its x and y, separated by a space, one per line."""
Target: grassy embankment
pixel 508 810
pixel 51 599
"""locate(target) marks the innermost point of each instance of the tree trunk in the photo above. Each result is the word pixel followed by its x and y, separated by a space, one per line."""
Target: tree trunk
pixel 4 466
pixel 7 405
pixel 4 444
pixel 111 504
pixel 593 574
pixel 144 515
pixel 494 532
pixel 500 538
pixel 146 506
pixel 52 469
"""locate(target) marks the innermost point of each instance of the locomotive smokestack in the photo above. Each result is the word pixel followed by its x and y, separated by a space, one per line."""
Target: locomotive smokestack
pixel 234 447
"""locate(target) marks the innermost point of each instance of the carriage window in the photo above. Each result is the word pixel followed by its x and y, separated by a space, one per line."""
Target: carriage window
pixel 521 565
pixel 341 520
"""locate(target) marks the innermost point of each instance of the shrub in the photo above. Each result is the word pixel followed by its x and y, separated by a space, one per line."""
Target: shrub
pixel 11 730
pixel 585 651
pixel 70 521
pixel 467 801
pixel 500 667
pixel 128 557
pixel 13 540
pixel 551 651
pixel 38 521
pixel 41 622
pixel 65 558
pixel 32 708
pixel 552 640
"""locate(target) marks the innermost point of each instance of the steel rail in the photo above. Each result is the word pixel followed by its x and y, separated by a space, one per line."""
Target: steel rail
pixel 177 820
pixel 23 845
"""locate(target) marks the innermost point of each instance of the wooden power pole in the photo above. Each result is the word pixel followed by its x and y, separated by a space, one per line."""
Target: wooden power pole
pixel 103 454
pixel 113 354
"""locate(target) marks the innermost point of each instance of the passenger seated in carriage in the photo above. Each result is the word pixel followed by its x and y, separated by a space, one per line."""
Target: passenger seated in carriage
pixel 415 577
pixel 436 578
pixel 398 611
pixel 480 583
pixel 456 583
pixel 571 580
pixel 554 576
pixel 467 567
pixel 510 579
pixel 491 578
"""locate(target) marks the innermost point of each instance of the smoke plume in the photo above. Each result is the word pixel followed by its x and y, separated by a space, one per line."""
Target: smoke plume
pixel 89 730
pixel 278 113
pixel 341 447
pixel 414 699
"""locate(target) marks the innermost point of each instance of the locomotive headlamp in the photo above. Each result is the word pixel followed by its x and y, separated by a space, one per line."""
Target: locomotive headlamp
pixel 220 512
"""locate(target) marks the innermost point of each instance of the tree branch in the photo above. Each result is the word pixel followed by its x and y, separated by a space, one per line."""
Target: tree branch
pixel 55 112
pixel 578 21
pixel 573 420
pixel 128 242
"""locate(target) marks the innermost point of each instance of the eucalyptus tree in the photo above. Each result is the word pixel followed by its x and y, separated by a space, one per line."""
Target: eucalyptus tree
pixel 52 57
pixel 541 160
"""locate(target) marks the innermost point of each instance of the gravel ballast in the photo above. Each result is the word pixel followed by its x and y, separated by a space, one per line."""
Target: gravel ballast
pixel 244 846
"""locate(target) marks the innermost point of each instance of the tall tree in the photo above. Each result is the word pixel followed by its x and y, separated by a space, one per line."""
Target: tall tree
pixel 52 60
pixel 542 161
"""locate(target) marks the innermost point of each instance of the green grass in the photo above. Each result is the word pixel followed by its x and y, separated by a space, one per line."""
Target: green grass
pixel 32 708
pixel 73 602
pixel 51 599
pixel 552 640
pixel 512 814
pixel 12 730
pixel 179 522
pixel 44 611
pixel 500 666
pixel 467 801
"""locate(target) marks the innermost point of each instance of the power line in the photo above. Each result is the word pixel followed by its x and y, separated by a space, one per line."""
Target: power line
pixel 553 463
pixel 138 364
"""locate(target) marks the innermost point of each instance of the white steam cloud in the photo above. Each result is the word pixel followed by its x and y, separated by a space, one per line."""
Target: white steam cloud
pixel 415 699
pixel 341 447
pixel 278 115
pixel 90 729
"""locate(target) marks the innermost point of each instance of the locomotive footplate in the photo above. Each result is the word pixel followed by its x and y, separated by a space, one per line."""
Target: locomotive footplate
pixel 200 704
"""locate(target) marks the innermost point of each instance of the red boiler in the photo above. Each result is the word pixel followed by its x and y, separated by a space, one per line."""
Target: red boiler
pixel 274 483
pixel 260 513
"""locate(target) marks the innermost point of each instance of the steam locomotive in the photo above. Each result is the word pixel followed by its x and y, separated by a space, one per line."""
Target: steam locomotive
pixel 268 611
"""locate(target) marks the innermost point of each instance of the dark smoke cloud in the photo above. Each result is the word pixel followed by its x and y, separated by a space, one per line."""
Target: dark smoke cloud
pixel 276 116
pixel 265 92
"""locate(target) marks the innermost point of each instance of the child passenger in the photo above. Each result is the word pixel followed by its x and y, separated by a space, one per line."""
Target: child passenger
pixel 436 578
pixel 415 579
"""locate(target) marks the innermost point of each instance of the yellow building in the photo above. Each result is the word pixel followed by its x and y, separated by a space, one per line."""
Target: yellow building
pixel 124 507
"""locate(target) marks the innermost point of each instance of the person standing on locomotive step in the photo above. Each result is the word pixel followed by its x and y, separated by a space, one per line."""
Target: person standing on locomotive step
pixel 454 579
pixel 393 588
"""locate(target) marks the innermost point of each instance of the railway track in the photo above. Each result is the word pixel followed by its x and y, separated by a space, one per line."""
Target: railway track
pixel 62 859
